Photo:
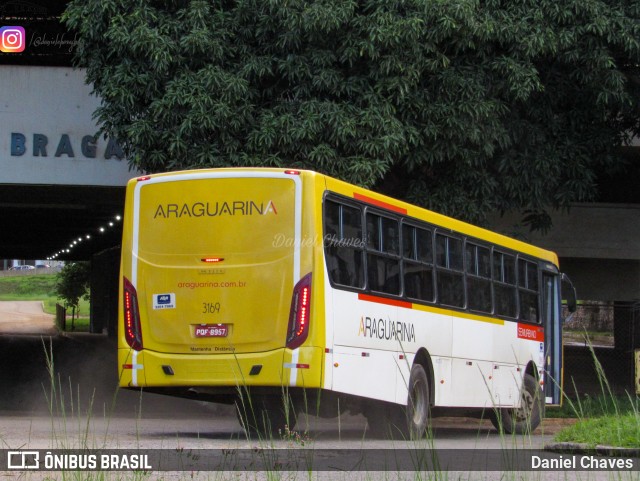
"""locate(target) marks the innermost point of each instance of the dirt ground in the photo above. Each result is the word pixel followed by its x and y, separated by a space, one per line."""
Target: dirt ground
pixel 25 318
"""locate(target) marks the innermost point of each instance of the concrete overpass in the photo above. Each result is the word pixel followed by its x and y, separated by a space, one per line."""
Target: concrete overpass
pixel 599 248
pixel 61 186
pixel 59 182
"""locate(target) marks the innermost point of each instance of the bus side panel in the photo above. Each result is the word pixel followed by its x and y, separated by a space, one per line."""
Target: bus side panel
pixel 489 362
pixel 370 373
pixel 361 347
pixel 442 373
pixel 472 369
pixel 328 380
pixel 433 334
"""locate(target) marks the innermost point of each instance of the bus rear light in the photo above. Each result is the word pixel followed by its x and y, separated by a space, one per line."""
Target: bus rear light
pixel 212 260
pixel 143 178
pixel 298 328
pixel 290 365
pixel 292 172
pixel 132 331
pixel 132 366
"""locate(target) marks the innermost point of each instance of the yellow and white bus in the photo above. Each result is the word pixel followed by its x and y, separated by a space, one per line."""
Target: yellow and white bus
pixel 239 285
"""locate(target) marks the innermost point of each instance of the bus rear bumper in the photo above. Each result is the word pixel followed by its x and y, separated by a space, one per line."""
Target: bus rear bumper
pixel 281 367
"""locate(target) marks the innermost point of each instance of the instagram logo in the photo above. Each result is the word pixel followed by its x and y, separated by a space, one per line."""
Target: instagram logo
pixel 11 39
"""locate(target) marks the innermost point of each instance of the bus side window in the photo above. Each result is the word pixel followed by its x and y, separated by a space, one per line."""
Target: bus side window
pixel 343 244
pixel 528 290
pixel 449 275
pixel 417 259
pixel 478 267
pixel 383 263
pixel 504 284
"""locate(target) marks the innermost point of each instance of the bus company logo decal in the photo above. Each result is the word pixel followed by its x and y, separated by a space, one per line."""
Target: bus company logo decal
pixel 215 209
pixel 164 301
pixel 386 329
pixel 531 333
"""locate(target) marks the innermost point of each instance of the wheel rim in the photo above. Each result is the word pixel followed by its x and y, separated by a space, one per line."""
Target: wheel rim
pixel 523 413
pixel 418 400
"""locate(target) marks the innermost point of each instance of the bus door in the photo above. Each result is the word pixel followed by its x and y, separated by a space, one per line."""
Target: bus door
pixel 552 346
pixel 552 321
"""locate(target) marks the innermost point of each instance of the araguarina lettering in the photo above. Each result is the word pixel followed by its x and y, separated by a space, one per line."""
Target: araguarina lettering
pixel 386 329
pixel 214 209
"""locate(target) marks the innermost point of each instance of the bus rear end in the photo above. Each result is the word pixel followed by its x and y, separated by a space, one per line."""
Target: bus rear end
pixel 213 295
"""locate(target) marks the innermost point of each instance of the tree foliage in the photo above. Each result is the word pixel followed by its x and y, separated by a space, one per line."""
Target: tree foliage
pixel 463 106
pixel 73 283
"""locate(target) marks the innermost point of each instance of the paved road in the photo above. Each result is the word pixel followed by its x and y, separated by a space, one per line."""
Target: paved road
pixel 25 318
pixel 331 445
pixel 194 426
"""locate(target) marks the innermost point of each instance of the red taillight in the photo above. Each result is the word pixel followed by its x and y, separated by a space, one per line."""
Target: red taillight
pixel 299 315
pixel 143 178
pixel 292 172
pixel 132 331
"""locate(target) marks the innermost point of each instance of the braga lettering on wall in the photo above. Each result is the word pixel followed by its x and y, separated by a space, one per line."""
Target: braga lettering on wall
pixel 40 145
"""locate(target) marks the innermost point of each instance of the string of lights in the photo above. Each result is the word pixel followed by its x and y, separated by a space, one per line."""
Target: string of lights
pixel 86 238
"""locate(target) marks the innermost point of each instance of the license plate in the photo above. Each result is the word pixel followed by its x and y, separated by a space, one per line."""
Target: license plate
pixel 212 330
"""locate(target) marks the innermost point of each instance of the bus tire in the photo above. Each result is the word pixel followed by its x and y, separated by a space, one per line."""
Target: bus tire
pixel 526 418
pixel 418 403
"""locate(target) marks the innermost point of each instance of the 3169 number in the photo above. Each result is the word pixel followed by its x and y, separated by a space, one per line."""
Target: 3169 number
pixel 210 308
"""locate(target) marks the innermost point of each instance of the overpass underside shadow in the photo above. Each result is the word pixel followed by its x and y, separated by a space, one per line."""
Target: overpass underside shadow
pixel 40 221
pixel 76 375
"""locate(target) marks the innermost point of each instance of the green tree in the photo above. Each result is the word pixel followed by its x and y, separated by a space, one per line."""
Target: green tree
pixel 72 283
pixel 463 106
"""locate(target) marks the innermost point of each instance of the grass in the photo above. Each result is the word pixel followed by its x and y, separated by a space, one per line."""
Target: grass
pixel 41 288
pixel 616 422
pixel 620 431
pixel 600 338
pixel 587 406
pixel 611 425
pixel 30 288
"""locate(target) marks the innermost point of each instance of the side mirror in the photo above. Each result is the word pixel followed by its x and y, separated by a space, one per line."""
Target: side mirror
pixel 569 293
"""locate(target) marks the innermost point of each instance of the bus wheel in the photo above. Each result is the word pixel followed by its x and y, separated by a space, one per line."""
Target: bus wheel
pixel 418 402
pixel 265 418
pixel 526 418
